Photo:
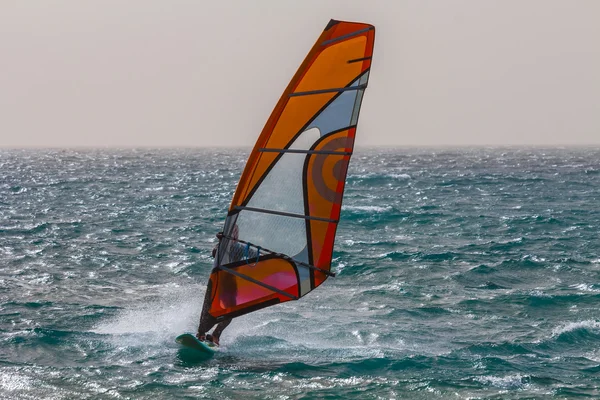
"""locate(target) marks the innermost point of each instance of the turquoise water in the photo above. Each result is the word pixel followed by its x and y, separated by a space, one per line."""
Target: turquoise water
pixel 467 273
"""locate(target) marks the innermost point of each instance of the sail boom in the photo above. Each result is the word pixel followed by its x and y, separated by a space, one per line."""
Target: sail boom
pixel 285 257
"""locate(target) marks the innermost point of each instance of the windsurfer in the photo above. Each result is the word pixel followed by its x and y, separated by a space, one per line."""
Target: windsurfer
pixel 227 285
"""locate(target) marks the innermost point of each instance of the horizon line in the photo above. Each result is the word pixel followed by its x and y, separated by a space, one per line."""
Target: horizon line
pixel 357 146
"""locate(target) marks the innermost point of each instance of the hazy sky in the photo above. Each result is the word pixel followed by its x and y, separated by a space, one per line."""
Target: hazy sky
pixel 208 73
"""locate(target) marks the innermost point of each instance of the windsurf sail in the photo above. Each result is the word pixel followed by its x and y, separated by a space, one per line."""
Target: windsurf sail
pixel 280 229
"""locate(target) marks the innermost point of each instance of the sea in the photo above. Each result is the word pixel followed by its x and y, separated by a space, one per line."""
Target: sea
pixel 462 273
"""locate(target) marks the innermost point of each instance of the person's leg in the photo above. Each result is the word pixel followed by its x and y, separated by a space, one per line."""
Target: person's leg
pixel 216 335
pixel 207 321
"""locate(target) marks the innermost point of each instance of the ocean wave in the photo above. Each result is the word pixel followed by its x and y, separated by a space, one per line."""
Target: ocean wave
pixel 373 176
pixel 14 382
pixel 368 209
pixel 509 382
pixel 586 287
pixel 587 325
pixel 31 229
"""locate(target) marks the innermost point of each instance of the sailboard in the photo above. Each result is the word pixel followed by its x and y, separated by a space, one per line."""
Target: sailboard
pixel 197 350
pixel 280 228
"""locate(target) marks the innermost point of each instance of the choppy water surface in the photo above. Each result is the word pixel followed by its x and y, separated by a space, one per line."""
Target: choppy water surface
pixel 462 274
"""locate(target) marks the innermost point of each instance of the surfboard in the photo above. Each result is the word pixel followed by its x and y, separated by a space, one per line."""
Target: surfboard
pixel 199 349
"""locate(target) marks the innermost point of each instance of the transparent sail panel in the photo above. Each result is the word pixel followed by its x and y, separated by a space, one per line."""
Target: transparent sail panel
pixel 281 189
pixel 354 119
pixel 356 109
pixel 278 233
pixel 338 114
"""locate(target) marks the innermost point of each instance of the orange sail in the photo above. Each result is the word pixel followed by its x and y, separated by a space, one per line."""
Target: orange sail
pixel 280 228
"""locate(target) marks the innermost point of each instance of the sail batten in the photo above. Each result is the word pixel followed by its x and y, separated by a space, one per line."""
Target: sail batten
pixel 359 59
pixel 343 153
pixel 330 90
pixel 349 35
pixel 284 214
pixel 259 283
pixel 289 197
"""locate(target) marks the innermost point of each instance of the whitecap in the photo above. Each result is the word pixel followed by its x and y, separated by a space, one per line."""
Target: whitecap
pixel 586 287
pixel 375 209
pixel 572 326
pixel 400 176
pixel 13 382
pixel 516 381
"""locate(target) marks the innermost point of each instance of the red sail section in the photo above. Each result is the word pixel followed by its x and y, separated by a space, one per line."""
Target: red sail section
pixel 326 175
pixel 234 294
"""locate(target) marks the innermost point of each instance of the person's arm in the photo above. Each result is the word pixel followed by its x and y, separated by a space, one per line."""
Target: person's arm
pixel 214 250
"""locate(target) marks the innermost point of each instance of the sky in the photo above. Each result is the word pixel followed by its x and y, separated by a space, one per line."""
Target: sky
pixel 194 73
